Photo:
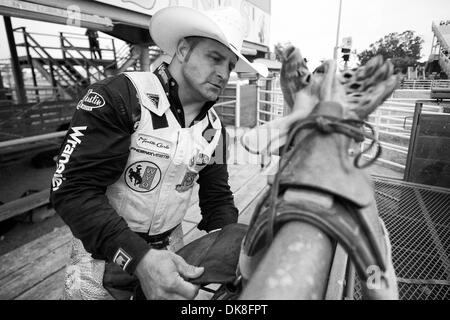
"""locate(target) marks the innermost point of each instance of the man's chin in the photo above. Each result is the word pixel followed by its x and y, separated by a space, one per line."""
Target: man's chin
pixel 211 97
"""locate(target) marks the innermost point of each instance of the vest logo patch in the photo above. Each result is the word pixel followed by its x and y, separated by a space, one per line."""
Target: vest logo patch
pixel 154 98
pixel 122 259
pixel 152 153
pixel 187 183
pixel 92 100
pixel 153 143
pixel 143 176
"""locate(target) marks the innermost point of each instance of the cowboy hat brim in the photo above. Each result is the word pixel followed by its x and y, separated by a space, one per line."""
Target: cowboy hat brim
pixel 169 25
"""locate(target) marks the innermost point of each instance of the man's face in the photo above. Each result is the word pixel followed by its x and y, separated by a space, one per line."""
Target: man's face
pixel 207 69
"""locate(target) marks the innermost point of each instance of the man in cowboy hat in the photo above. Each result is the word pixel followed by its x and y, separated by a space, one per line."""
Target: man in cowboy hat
pixel 137 143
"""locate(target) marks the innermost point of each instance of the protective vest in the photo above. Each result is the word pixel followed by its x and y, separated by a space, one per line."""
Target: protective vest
pixel 154 191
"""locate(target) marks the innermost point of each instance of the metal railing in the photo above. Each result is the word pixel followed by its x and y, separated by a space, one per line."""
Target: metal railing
pixel 66 80
pixel 424 84
pixel 229 105
pixel 54 45
pixel 393 123
pixel 64 59
pixel 270 102
pixel 69 47
pixel 35 94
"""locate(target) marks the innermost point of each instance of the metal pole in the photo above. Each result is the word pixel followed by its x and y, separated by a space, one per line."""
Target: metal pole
pixel 338 31
pixel 2 88
pixel 63 48
pixel 144 58
pixel 54 85
pixel 237 115
pixel 17 71
pixel 350 285
pixel 432 45
pixel 258 105
pixel 412 141
pixel 30 62
pixel 114 52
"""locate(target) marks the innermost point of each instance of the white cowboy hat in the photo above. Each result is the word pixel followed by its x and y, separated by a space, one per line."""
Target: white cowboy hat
pixel 169 25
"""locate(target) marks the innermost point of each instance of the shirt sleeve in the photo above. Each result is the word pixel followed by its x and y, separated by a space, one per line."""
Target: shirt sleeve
pixel 92 157
pixel 215 197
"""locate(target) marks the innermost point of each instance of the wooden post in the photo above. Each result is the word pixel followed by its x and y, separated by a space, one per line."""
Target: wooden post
pixel 15 65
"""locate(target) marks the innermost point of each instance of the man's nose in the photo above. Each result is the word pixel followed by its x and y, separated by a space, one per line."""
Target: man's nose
pixel 222 72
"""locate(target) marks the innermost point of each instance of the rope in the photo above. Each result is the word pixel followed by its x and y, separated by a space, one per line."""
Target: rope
pixel 326 124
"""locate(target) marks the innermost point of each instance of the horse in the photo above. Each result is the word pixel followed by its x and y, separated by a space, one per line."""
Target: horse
pixel 135 175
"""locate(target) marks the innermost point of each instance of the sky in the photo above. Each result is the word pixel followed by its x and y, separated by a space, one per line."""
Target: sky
pixel 312 25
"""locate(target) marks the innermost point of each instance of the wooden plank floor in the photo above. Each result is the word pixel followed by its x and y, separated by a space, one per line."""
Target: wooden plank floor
pixel 36 270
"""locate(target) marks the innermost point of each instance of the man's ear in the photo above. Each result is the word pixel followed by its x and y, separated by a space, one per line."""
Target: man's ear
pixel 182 51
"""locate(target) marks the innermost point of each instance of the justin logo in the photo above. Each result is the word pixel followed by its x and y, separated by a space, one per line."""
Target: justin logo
pixel 143 176
pixel 92 100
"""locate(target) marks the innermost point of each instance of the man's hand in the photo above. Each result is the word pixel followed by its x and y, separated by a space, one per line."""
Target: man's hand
pixel 161 274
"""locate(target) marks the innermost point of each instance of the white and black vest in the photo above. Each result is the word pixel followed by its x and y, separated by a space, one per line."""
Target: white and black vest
pixel 154 191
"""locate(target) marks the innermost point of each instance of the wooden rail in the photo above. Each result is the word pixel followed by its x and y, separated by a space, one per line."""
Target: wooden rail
pixel 41 137
pixel 22 205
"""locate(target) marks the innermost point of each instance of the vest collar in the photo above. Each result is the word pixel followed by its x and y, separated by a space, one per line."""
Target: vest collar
pixel 150 92
pixel 153 90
